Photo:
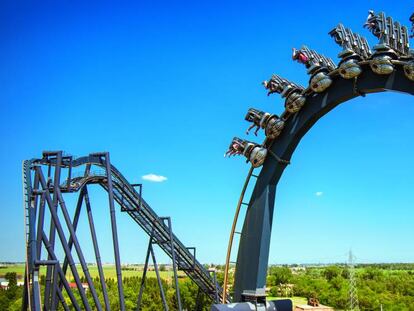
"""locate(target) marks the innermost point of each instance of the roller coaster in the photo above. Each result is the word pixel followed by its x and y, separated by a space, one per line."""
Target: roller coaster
pixel 47 191
pixel 48 179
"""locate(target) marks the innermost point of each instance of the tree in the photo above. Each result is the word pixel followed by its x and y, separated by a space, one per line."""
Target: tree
pixel 279 275
pixel 331 272
pixel 11 277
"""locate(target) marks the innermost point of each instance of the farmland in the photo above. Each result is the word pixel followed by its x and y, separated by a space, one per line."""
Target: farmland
pixel 109 271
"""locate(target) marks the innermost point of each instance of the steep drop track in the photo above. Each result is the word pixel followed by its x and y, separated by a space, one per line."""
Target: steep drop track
pixel 50 190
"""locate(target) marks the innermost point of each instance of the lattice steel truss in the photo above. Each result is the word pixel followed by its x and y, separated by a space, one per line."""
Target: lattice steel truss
pixel 353 292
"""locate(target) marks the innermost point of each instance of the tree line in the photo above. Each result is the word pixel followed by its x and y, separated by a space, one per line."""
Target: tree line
pixel 11 298
pixel 377 285
pixel 388 285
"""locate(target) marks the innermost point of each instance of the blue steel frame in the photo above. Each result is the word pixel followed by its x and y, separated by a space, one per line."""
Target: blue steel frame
pixel 44 190
pixel 253 254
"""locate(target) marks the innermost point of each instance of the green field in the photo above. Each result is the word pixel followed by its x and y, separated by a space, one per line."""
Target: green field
pixel 109 271
pixel 18 268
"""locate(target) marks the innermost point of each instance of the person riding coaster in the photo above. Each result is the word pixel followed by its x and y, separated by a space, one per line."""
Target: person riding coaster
pixel 254 153
pixel 271 123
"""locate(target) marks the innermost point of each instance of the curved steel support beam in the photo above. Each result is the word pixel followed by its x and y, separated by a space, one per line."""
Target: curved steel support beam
pixel 253 254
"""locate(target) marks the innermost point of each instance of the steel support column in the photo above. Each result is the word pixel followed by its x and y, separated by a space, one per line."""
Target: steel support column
pixel 32 256
pixel 114 231
pixel 259 222
pixel 55 220
pixel 49 292
pixel 61 274
pixel 78 250
pixel 150 251
pixel 174 262
pixel 96 248
pixel 144 275
pixel 75 227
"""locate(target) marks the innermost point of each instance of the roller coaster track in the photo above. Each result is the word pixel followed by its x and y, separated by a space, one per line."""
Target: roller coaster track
pixel 130 201
pixel 390 67
pixel 233 231
pixel 27 209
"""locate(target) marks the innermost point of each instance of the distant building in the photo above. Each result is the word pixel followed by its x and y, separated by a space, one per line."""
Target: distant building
pixel 4 284
pixel 298 269
pixel 85 286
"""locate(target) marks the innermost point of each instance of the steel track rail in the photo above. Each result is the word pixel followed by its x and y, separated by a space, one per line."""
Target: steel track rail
pixel 296 126
pixel 140 211
pixel 26 207
pixel 232 232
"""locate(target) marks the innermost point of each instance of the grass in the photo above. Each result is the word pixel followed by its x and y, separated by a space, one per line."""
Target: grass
pixel 109 272
pixel 18 268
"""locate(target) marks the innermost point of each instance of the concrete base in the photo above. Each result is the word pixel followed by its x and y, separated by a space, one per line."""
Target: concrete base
pixel 275 305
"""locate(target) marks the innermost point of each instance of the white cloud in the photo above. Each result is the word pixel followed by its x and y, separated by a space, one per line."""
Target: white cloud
pixel 154 178
pixel 319 193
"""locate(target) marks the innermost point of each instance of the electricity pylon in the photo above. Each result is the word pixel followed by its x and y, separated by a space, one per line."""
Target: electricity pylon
pixel 353 295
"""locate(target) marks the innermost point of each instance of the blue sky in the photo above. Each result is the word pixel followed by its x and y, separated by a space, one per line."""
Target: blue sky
pixel 165 86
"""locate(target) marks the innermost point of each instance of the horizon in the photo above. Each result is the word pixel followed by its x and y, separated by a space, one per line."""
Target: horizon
pixel 165 94
pixel 303 264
